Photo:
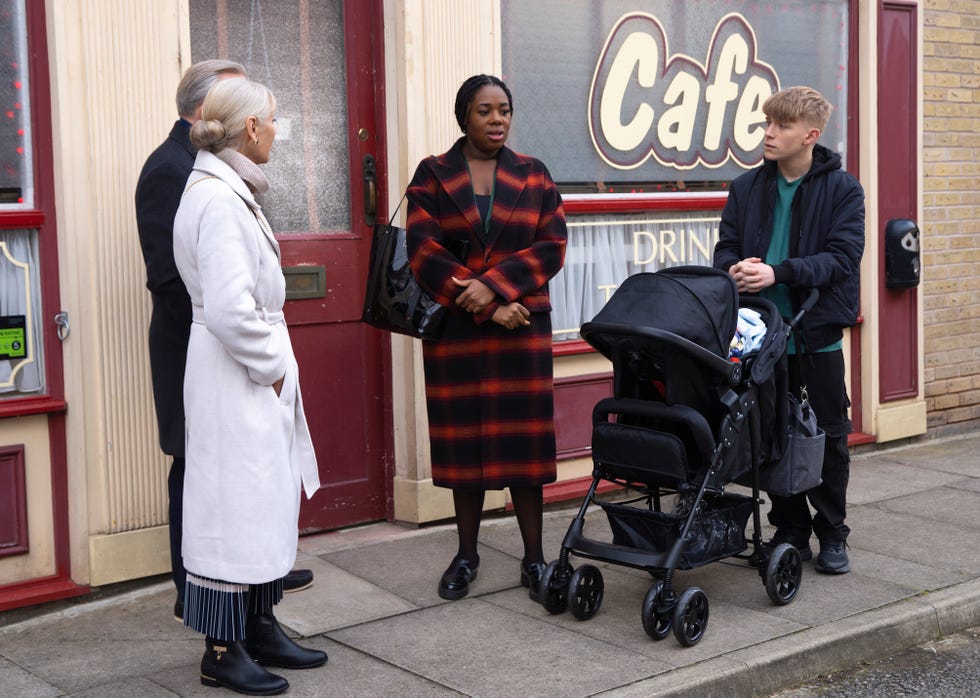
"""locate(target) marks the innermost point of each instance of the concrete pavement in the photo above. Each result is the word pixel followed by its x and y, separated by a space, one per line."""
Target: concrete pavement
pixel 915 554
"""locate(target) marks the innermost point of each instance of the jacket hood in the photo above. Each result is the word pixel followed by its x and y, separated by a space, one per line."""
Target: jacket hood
pixel 824 160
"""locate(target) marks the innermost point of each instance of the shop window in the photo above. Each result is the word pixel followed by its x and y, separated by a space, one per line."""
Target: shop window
pixel 21 345
pixel 645 110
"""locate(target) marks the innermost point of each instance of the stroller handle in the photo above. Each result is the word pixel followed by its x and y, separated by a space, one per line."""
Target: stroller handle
pixel 811 300
pixel 593 332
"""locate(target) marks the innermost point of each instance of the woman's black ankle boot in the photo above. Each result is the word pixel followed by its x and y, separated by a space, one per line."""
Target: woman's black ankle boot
pixel 531 578
pixel 269 644
pixel 228 664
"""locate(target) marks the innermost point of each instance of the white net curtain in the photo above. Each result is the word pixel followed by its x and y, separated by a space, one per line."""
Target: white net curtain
pixel 603 250
pixel 20 294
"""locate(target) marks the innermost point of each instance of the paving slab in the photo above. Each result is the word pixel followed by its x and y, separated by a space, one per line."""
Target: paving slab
pixel 912 576
pixel 77 665
pixel 957 507
pixel 972 484
pixel 341 599
pixel 412 571
pixel 16 681
pixel 481 649
pixel 618 622
pixel 128 688
pixel 822 598
pixel 359 536
pixel 879 480
pixel 915 539
pixel 85 648
pixel 957 455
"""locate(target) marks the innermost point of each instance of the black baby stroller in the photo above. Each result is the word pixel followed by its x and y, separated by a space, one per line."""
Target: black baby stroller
pixel 684 421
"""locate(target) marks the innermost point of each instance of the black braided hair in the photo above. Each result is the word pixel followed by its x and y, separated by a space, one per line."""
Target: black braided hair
pixel 464 97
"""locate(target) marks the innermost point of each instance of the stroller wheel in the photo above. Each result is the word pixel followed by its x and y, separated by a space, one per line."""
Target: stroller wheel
pixel 554 587
pixel 585 592
pixel 691 617
pixel 657 618
pixel 783 574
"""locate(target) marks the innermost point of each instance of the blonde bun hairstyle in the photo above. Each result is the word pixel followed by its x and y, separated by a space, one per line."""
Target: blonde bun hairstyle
pixel 226 109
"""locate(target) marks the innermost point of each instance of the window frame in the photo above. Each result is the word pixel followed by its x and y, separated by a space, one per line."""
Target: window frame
pixel 40 217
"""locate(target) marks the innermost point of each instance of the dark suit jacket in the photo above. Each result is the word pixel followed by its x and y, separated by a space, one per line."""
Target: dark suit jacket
pixel 158 193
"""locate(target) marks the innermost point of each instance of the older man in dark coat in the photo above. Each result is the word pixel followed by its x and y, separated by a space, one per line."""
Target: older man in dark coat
pixel 158 191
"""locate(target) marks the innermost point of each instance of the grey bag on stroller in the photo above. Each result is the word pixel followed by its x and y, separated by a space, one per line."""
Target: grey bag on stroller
pixel 799 467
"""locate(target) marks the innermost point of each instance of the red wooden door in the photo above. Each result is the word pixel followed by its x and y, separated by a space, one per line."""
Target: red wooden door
pixel 322 60
pixel 897 194
pixel 342 362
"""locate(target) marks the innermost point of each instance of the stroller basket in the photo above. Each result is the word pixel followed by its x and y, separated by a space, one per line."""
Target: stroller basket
pixel 718 531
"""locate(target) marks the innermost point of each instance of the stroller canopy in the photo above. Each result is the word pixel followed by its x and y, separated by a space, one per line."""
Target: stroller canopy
pixel 699 304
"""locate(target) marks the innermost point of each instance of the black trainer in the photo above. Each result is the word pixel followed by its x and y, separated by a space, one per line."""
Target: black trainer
pixel 832 558
pixel 782 536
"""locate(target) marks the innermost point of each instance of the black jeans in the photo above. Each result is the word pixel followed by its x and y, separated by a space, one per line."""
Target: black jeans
pixel 175 487
pixel 823 376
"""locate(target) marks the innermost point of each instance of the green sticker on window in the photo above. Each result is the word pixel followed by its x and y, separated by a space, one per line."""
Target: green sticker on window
pixel 13 337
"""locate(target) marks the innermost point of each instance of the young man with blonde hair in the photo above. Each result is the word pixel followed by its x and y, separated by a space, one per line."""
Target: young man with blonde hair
pixel 794 223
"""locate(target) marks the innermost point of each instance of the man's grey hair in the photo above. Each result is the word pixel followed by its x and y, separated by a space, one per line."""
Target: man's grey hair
pixel 200 78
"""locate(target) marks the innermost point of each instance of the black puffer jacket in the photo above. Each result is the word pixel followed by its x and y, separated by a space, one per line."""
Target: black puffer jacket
pixel 826 240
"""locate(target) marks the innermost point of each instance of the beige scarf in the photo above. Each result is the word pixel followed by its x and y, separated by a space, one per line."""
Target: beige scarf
pixel 250 173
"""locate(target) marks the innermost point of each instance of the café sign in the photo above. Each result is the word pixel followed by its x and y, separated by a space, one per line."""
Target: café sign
pixel 659 95
pixel 646 102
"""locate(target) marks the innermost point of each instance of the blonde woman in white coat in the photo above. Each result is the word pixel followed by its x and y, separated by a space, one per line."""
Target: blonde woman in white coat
pixel 248 451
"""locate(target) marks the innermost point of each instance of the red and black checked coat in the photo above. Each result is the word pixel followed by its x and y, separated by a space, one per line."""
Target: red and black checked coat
pixel 489 390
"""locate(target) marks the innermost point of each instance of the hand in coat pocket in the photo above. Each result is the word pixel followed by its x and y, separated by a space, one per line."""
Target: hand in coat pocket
pixel 277 386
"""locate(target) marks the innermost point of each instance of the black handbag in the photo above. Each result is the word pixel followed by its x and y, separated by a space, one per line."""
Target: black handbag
pixel 394 301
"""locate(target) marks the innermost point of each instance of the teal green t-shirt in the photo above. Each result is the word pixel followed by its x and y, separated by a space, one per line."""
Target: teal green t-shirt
pixel 779 250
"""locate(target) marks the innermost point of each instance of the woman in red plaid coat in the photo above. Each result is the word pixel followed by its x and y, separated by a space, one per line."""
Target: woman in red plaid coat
pixel 486 231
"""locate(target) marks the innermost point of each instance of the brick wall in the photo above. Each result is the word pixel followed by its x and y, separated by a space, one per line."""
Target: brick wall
pixel 951 213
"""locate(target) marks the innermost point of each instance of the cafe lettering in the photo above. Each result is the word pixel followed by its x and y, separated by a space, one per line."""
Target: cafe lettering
pixel 646 102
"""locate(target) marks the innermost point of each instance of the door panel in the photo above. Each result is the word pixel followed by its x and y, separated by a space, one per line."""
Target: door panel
pixel 318 57
pixel 897 178
pixel 341 374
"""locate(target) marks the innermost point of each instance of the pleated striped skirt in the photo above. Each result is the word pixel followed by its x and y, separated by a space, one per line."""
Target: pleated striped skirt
pixel 219 609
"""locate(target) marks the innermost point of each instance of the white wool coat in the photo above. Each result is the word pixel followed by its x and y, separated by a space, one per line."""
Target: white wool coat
pixel 248 452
